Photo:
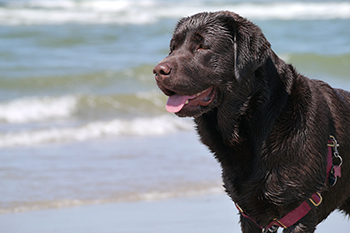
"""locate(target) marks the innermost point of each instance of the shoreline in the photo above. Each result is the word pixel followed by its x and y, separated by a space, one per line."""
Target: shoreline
pixel 207 213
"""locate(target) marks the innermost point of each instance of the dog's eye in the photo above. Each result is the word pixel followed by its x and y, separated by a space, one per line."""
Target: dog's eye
pixel 202 47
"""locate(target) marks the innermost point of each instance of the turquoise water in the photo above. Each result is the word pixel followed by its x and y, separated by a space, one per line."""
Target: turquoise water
pixel 81 119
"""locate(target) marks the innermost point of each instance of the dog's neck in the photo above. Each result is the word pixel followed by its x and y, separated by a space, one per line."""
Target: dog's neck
pixel 247 121
pixel 236 131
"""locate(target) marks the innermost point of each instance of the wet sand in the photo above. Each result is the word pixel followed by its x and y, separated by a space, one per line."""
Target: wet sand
pixel 204 214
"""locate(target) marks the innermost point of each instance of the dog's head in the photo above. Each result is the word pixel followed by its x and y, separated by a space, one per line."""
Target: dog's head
pixel 211 54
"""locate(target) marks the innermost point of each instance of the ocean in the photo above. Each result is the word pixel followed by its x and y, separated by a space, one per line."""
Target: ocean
pixel 81 119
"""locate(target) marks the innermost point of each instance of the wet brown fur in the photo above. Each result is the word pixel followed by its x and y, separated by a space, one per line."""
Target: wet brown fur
pixel 268 125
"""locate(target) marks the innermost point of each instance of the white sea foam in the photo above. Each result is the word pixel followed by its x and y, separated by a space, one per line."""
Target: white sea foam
pixel 37 109
pixel 135 127
pixel 184 190
pixel 150 11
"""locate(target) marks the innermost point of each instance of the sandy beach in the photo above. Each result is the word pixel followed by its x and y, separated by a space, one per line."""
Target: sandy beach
pixel 209 213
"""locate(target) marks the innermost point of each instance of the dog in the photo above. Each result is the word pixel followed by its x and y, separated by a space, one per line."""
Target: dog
pixel 274 132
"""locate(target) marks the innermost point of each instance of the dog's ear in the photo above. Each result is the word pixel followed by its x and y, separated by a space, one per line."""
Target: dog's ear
pixel 251 48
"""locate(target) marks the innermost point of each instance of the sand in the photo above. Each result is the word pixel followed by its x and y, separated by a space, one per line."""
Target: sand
pixel 204 214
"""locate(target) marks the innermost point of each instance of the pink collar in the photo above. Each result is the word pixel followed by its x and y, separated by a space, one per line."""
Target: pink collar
pixel 333 171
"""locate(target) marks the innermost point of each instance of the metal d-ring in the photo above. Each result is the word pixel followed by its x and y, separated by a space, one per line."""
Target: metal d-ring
pixel 272 229
pixel 335 146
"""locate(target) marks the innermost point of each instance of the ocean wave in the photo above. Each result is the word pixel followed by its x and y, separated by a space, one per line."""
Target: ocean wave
pixel 151 11
pixel 82 107
pixel 164 124
pixel 33 109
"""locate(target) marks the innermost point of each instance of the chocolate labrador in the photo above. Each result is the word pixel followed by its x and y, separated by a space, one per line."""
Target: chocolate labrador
pixel 275 132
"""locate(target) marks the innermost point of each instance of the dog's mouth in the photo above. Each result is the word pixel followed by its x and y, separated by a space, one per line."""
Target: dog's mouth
pixel 178 102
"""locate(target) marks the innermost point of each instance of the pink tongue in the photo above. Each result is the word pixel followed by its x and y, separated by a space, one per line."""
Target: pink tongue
pixel 176 102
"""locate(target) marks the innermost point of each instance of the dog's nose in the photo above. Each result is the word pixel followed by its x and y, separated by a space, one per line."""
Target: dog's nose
pixel 162 70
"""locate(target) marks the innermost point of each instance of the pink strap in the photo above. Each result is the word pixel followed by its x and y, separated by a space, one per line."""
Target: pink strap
pixel 298 213
pixel 246 216
pixel 329 160
pixel 294 216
